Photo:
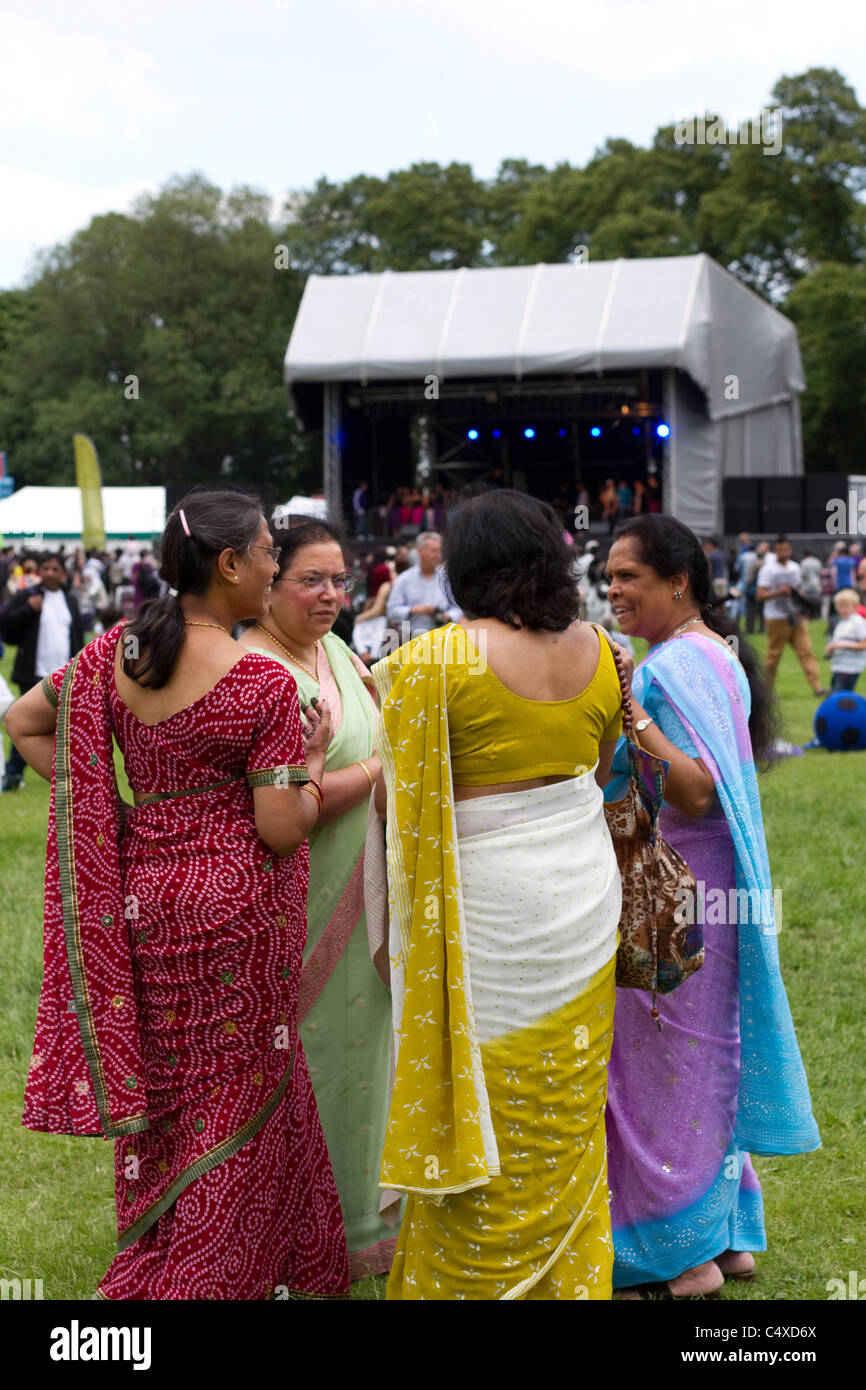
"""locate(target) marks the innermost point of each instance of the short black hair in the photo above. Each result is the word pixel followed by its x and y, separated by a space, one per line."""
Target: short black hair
pixel 303 531
pixel 506 558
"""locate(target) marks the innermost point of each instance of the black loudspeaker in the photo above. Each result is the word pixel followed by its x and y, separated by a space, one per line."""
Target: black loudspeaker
pixel 741 500
pixel 782 505
pixel 819 489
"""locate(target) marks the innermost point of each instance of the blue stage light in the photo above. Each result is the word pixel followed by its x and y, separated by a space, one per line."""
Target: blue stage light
pixel 471 434
pixel 497 434
pixel 529 432
pixel 595 432
pixel 636 429
pixel 663 431
pixel 563 433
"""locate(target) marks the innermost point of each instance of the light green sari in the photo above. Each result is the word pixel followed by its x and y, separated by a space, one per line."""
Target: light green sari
pixel 344 1010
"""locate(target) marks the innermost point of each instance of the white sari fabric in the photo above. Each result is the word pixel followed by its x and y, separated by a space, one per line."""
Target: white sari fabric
pixel 541 901
pixel 541 897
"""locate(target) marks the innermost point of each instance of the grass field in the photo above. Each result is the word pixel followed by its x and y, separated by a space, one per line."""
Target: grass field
pixel 56 1194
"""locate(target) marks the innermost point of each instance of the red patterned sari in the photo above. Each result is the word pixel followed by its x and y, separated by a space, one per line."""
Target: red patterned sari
pixel 168 1014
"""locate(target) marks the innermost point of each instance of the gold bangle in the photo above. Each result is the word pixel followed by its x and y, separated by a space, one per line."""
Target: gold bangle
pixel 319 788
pixel 307 787
pixel 369 776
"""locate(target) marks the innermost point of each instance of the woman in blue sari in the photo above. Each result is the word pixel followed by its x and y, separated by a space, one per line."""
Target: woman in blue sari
pixel 724 1078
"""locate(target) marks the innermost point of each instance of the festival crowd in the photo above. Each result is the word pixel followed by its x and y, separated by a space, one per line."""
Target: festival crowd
pixel 347 992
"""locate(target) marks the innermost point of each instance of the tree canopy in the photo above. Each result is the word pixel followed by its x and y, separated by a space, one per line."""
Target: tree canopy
pixel 161 332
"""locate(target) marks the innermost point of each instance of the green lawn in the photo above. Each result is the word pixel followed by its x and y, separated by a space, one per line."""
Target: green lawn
pixel 56 1194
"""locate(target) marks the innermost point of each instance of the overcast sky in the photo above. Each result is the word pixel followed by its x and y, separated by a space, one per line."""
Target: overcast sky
pixel 101 100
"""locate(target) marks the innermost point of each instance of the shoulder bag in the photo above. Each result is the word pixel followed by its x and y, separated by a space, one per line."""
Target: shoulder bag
pixel 661 943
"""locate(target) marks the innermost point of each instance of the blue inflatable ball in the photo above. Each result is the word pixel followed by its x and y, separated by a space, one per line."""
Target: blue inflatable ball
pixel 840 722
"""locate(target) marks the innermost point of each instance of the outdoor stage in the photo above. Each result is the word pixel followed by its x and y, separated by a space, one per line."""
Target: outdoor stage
pixel 547 377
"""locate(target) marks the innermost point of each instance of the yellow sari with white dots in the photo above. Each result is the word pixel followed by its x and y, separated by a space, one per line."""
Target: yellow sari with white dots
pixel 503 934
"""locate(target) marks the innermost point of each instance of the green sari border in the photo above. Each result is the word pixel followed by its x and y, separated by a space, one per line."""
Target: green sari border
pixel 279 775
pixel 153 797
pixel 49 692
pixel 227 1148
pixel 71 921
pixel 266 777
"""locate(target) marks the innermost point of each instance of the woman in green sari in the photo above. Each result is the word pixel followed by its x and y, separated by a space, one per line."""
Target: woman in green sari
pixel 344 1010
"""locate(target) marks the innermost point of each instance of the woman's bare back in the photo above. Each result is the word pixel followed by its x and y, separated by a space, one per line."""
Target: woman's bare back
pixel 205 657
pixel 536 664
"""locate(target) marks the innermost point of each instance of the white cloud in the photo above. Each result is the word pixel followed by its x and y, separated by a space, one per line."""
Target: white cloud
pixel 48 210
pixel 631 39
pixel 80 83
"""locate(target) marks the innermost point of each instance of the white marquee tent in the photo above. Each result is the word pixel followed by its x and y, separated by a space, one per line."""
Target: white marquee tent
pixel 682 314
pixel 54 514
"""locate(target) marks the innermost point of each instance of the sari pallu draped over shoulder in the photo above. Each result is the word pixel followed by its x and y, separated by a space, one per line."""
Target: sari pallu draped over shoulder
pixel 344 1009
pixel 439 1138
pixel 708 692
pixel 180 942
pixel 86 1075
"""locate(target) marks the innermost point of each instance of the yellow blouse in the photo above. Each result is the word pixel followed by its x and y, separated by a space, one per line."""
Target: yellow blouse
pixel 497 736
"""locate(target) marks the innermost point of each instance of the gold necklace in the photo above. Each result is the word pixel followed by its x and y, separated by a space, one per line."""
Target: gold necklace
pixel 683 627
pixel 188 622
pixel 291 655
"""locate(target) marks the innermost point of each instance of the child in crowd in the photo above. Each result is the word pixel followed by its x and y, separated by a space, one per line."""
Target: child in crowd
pixel 847 650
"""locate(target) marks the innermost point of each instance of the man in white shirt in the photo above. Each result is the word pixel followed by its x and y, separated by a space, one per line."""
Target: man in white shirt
pixel 418 596
pixel 45 624
pixel 778 578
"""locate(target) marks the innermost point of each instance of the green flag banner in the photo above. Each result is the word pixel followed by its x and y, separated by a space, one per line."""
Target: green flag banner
pixel 88 477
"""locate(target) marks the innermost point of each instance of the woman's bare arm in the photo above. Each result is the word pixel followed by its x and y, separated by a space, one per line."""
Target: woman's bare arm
pixel 31 724
pixel 690 786
pixel 346 787
pixel 376 608
pixel 605 761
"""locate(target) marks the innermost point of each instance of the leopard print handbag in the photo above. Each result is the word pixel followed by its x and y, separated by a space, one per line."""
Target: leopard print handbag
pixel 659 947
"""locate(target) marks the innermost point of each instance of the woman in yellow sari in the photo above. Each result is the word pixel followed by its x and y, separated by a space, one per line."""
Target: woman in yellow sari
pixel 495 737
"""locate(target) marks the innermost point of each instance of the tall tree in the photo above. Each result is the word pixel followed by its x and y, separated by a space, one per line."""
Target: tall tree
pixel 423 218
pixel 829 309
pixel 162 335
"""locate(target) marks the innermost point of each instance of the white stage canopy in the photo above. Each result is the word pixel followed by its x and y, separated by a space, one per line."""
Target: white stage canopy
pixel 683 314
pixel 54 514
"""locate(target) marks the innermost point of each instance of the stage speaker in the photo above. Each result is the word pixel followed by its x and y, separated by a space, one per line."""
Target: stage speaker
pixel 819 489
pixel 782 505
pixel 741 501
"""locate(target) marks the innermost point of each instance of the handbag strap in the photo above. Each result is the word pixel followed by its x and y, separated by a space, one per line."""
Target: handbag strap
pixel 625 688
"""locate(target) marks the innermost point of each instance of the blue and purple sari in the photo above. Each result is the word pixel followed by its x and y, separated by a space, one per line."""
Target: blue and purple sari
pixel 724 1079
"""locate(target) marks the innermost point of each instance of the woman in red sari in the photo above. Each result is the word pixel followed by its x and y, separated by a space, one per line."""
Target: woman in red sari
pixel 174 930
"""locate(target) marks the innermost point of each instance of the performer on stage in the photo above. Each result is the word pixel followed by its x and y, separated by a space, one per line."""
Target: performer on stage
pixel 174 930
pixel 344 1010
pixel 504 899
pixel 724 1078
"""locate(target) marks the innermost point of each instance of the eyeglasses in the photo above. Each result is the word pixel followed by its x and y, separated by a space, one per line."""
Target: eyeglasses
pixel 273 551
pixel 318 583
